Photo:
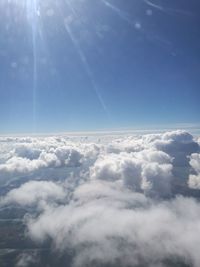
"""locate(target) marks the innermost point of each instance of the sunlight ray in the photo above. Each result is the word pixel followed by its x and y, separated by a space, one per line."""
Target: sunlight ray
pixel 84 61
pixel 33 15
pixel 119 12
pixel 168 11
pixel 137 25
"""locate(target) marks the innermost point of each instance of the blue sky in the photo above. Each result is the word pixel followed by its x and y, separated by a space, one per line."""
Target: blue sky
pixel 79 65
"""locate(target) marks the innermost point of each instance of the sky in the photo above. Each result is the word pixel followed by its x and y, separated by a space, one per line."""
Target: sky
pixel 81 65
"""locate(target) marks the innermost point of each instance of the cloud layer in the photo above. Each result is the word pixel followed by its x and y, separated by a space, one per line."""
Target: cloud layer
pixel 125 200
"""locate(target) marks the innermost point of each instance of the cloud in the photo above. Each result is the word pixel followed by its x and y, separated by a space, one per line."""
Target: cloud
pixel 194 179
pixel 29 157
pixel 27 151
pixel 124 227
pixel 18 165
pixel 27 259
pixel 34 192
pixel 127 200
pixel 177 144
pixel 146 170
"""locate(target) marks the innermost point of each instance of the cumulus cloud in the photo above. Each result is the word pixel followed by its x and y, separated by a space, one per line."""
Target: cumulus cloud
pixel 32 156
pixel 177 144
pixel 33 192
pixel 142 171
pixel 194 179
pixel 27 151
pixel 121 203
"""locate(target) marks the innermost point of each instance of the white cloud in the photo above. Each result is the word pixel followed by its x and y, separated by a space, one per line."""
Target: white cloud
pixel 194 179
pixel 29 157
pixel 27 151
pixel 121 227
pixel 195 162
pixel 146 170
pixel 34 192
pixel 116 206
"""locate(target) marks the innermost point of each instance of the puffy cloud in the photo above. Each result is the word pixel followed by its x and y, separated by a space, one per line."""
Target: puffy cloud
pixel 146 163
pixel 67 156
pixel 34 192
pixel 178 144
pixel 119 205
pixel 178 136
pixel 153 156
pixel 118 167
pixel 27 151
pixel 195 162
pixel 18 165
pixel 146 170
pixel 30 157
pixel 194 179
pixel 116 226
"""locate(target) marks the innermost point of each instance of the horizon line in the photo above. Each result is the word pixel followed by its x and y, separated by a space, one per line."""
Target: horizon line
pixel 192 127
